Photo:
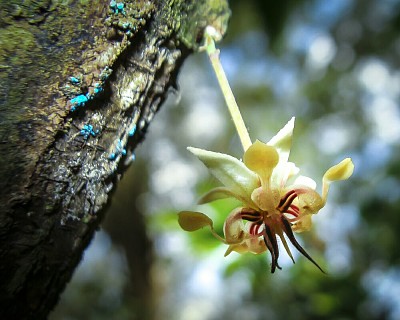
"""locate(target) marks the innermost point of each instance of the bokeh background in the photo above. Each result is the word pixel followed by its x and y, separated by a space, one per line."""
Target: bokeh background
pixel 335 66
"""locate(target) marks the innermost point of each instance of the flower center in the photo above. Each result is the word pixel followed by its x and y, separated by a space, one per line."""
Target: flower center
pixel 269 226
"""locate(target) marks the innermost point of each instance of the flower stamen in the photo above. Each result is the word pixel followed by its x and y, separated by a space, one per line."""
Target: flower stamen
pixel 254 229
pixel 286 201
pixel 292 212
pixel 252 215
pixel 294 207
pixel 289 232
pixel 272 245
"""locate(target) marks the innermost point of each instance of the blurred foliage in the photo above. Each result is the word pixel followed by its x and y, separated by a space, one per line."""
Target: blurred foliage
pixel 269 15
pixel 335 66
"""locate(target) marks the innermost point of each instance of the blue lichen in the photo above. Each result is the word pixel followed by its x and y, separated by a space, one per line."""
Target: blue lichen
pixel 97 88
pixel 88 130
pixel 74 80
pixel 79 101
pixel 117 7
pixel 132 131
pixel 119 150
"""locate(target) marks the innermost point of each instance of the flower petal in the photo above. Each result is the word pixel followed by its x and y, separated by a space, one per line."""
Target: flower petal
pixel 254 245
pixel 305 181
pixel 282 141
pixel 308 200
pixel 282 172
pixel 304 224
pixel 222 193
pixel 192 221
pixel 234 227
pixel 230 171
pixel 238 237
pixel 261 159
pixel 341 171
pixel 216 194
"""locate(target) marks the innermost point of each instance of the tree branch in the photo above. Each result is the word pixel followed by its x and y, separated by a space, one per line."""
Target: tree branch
pixel 80 83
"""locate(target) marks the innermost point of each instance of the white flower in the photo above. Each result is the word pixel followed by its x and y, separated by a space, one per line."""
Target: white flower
pixel 270 206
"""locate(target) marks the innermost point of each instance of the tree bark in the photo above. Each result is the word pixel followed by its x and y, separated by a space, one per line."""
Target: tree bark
pixel 80 81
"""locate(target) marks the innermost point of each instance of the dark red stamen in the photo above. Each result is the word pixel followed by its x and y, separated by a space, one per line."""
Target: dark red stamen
pixel 272 245
pixel 289 232
pixel 286 201
pixel 288 194
pixel 254 228
pixel 250 215
pixel 292 212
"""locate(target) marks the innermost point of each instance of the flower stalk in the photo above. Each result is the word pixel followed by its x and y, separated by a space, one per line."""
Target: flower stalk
pixel 213 54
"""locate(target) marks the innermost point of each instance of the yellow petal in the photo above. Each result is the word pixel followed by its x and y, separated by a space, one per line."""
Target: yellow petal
pixel 255 246
pixel 192 221
pixel 261 159
pixel 341 171
pixel 234 227
pixel 239 248
pixel 237 235
pixel 229 250
pixel 308 200
pixel 304 224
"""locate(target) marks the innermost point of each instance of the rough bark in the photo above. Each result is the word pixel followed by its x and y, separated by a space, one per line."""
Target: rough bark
pixel 57 173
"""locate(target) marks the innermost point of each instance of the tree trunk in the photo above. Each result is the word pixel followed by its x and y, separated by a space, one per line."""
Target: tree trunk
pixel 80 82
